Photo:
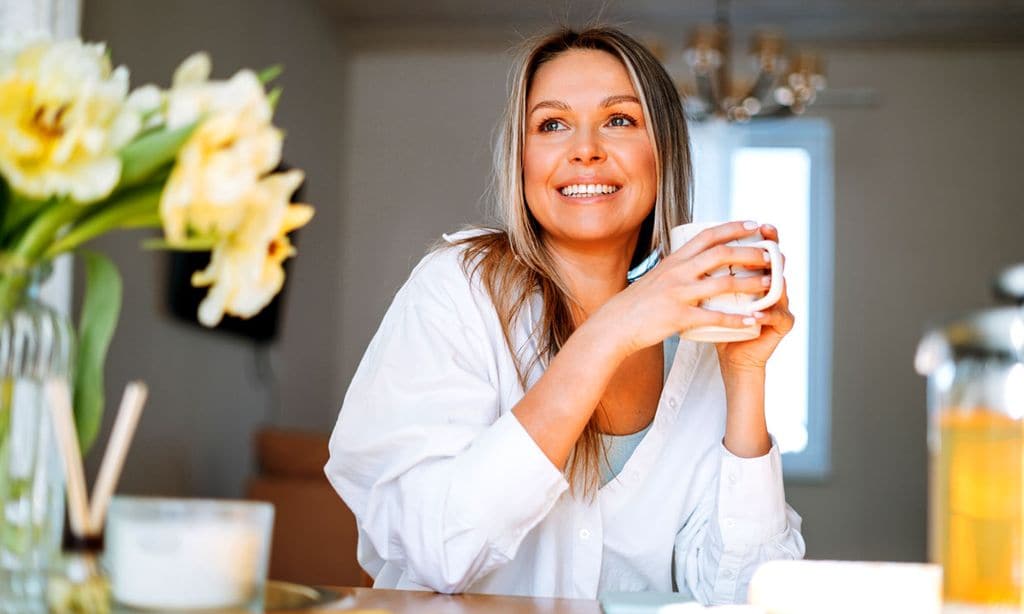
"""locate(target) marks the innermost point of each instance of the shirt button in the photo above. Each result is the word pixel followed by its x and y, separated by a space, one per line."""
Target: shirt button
pixel 729 523
pixel 584 534
pixel 672 402
pixel 733 478
pixel 728 574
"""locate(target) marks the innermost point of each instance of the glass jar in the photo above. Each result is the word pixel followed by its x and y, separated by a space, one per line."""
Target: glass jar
pixel 975 370
pixel 166 554
pixel 36 344
pixel 78 584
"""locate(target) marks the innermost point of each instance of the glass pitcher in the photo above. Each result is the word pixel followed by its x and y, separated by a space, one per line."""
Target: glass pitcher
pixel 975 370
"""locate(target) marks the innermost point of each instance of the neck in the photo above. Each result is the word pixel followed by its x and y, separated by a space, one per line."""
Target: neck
pixel 594 273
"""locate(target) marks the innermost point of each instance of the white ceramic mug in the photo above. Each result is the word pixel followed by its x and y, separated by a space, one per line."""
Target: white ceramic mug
pixel 733 302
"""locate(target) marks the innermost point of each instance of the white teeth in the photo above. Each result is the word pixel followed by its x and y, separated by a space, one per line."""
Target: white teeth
pixel 588 189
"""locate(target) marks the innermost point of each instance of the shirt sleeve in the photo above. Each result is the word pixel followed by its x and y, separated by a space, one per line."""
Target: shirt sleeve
pixel 441 484
pixel 742 521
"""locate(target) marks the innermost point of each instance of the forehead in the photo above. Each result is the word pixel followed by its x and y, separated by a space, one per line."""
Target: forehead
pixel 580 75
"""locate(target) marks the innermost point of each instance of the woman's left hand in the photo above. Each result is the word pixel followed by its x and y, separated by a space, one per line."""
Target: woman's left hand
pixel 775 322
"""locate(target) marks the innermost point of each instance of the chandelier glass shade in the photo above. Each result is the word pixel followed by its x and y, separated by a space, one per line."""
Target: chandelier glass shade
pixel 780 86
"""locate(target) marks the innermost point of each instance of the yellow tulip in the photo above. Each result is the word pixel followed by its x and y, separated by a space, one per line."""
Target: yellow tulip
pixel 246 267
pixel 216 168
pixel 233 147
pixel 193 96
pixel 63 119
pixel 220 189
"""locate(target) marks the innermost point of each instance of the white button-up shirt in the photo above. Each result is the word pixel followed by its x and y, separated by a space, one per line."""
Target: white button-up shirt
pixel 452 494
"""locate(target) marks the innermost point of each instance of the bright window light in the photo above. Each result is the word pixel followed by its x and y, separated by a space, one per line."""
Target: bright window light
pixel 780 172
pixel 772 185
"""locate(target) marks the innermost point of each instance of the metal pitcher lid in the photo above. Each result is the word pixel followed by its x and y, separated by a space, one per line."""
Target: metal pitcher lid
pixel 1009 284
pixel 987 334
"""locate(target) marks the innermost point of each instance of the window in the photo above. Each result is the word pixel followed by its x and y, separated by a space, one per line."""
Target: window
pixel 780 172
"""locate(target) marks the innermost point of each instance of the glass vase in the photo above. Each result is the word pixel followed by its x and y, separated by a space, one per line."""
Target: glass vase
pixel 36 345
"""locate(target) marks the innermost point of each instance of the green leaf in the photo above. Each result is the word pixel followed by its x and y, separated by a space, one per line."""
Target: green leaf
pixel 192 244
pixel 142 220
pixel 274 96
pixel 6 395
pixel 270 73
pixel 143 156
pixel 101 307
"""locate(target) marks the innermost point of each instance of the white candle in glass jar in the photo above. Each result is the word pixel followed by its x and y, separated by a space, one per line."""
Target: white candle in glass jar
pixel 187 554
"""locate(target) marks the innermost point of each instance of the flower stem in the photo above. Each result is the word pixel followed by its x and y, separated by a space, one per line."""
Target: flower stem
pixel 130 207
pixel 44 228
pixel 27 249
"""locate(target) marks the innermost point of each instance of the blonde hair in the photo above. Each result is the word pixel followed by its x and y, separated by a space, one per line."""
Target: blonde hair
pixel 513 263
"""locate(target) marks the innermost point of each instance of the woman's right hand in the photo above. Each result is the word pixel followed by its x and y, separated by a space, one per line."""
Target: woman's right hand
pixel 667 299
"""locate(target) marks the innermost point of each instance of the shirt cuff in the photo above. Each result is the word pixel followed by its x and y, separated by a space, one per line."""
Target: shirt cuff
pixel 751 499
pixel 510 484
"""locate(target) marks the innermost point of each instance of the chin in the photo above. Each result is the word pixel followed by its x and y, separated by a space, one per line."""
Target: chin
pixel 592 231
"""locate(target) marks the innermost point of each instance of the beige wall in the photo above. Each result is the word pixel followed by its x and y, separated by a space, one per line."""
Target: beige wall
pixel 395 138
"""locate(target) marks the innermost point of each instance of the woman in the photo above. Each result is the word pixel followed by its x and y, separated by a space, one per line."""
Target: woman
pixel 511 428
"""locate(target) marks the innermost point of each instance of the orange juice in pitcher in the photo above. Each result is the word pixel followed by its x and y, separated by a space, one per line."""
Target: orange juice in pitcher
pixel 977 524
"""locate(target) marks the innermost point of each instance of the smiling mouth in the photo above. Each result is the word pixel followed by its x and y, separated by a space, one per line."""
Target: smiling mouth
pixel 587 190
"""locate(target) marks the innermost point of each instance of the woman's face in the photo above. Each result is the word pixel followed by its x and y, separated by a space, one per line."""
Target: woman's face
pixel 589 169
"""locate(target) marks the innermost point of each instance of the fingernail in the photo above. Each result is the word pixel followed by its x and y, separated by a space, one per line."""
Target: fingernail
pixel 769 227
pixel 759 315
pixel 765 257
pixel 766 281
pixel 749 321
pixel 750 225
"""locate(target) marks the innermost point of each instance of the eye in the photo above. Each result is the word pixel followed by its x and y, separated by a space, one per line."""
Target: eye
pixel 550 125
pixel 622 120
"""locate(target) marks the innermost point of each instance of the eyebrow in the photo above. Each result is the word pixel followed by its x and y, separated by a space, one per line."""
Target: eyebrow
pixel 607 102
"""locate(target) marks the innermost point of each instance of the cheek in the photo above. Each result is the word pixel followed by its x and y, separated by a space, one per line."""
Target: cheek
pixel 538 164
pixel 643 164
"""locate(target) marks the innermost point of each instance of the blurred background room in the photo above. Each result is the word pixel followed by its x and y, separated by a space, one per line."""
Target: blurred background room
pixel 896 192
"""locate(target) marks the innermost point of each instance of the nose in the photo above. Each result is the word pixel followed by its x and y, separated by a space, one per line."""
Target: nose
pixel 586 147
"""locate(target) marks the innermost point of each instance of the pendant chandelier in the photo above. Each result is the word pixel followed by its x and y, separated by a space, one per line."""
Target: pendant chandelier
pixel 780 87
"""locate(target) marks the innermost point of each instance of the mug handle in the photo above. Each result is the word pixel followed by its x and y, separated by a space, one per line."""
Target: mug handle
pixel 775 289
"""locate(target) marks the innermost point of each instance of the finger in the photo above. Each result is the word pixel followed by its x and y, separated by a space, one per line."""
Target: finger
pixel 777 318
pixel 716 235
pixel 697 316
pixel 713 286
pixel 762 267
pixel 783 301
pixel 766 279
pixel 770 232
pixel 721 256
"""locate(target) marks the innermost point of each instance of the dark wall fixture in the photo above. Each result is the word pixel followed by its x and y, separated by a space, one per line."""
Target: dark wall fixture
pixel 183 299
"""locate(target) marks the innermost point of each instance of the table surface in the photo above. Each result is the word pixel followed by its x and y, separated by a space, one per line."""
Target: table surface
pixel 419 602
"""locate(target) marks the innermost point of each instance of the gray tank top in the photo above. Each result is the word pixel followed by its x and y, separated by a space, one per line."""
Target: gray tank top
pixel 621 447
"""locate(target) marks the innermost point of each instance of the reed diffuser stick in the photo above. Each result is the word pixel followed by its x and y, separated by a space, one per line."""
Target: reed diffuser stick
pixel 67 441
pixel 132 401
